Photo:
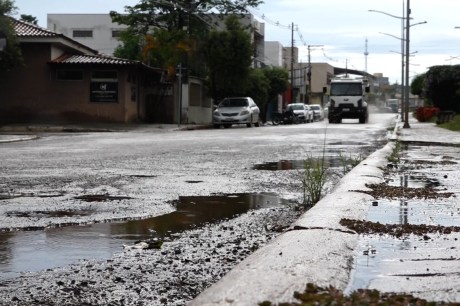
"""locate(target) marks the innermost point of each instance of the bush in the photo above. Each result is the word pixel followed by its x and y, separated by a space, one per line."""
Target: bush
pixel 426 113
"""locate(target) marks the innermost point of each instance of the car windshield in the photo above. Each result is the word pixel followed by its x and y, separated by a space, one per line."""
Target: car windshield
pixel 315 107
pixel 234 103
pixel 295 107
pixel 346 89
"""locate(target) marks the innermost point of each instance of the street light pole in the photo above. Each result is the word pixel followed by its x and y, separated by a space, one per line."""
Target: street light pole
pixel 309 71
pixel 406 93
pixel 292 64
pixel 403 18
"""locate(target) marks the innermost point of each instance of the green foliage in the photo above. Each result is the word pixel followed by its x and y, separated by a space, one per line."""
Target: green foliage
pixel 394 156
pixel 11 56
pixel 29 19
pixel 279 81
pixel 418 85
pixel 257 87
pixel 349 162
pixel 7 7
pixel 442 87
pixel 150 21
pixel 130 47
pixel 228 55
pixel 313 180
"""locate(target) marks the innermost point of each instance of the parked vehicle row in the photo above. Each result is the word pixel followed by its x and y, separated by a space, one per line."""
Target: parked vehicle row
pixel 243 110
pixel 299 113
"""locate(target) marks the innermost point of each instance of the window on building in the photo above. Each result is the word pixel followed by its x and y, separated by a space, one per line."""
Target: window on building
pixel 69 75
pixel 82 33
pixel 116 33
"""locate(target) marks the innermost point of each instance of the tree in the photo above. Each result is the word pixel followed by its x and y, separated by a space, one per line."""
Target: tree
pixel 29 19
pixel 131 47
pixel 160 24
pixel 228 55
pixel 442 87
pixel 10 55
pixel 418 85
pixel 177 14
pixel 278 80
pixel 258 87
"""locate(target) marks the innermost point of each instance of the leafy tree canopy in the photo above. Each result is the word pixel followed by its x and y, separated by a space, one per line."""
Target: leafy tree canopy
pixel 7 7
pixel 10 53
pixel 442 87
pixel 169 31
pixel 228 70
pixel 29 19
pixel 176 14
pixel 418 85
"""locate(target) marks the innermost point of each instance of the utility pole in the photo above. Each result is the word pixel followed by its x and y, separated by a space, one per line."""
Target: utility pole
pixel 309 71
pixel 406 92
pixel 292 63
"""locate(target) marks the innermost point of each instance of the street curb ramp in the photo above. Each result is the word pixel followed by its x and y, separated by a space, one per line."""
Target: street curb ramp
pixel 316 249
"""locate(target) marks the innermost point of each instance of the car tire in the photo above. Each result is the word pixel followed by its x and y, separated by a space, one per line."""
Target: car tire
pixel 226 126
pixel 249 124
pixel 217 126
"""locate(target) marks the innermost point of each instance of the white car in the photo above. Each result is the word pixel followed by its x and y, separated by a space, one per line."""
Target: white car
pixel 236 110
pixel 302 111
pixel 318 113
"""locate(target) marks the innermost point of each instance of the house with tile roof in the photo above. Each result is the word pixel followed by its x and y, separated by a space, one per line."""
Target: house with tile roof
pixel 63 80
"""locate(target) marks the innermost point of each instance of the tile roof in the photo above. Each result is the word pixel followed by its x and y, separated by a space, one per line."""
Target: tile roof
pixel 92 59
pixel 25 29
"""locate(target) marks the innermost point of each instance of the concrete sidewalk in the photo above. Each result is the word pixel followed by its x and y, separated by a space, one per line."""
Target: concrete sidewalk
pixel 319 250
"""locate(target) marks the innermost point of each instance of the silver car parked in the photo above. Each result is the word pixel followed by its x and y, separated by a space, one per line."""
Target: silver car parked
pixel 236 110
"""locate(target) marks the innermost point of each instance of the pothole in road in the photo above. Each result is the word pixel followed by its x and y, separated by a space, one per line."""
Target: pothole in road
pixel 37 250
pixel 101 198
pixel 284 164
pixel 9 196
pixel 49 214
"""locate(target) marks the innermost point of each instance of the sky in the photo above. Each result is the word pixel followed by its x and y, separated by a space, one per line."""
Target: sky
pixel 336 30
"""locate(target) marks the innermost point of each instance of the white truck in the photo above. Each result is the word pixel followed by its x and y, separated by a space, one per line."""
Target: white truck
pixel 346 99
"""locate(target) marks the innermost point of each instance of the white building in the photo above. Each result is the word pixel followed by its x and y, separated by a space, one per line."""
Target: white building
pixel 96 31
pixel 273 53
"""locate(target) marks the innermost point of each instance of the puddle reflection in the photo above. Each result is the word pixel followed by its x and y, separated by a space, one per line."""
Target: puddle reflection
pixel 329 161
pixel 38 250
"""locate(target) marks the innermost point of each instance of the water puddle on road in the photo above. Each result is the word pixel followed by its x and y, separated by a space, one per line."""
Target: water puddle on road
pixel 37 250
pixel 414 181
pixel 329 161
pixel 380 256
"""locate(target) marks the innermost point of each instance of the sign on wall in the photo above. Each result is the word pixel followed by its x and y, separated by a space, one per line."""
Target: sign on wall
pixel 104 92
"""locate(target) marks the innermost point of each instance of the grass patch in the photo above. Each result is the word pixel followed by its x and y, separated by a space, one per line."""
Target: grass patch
pixel 453 125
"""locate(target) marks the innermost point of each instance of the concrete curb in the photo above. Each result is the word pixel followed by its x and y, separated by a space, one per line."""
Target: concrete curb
pixel 317 249
pixel 16 138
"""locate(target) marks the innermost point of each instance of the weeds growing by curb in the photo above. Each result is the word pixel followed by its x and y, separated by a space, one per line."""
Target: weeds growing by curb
pixel 394 156
pixel 313 180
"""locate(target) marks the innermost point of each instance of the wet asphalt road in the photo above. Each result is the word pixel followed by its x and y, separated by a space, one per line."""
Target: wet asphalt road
pixel 145 170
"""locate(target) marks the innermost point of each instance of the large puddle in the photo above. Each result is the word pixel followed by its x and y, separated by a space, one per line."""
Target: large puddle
pixel 380 256
pixel 38 250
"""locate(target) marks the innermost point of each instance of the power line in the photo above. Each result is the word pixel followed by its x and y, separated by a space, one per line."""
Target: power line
pixel 285 27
